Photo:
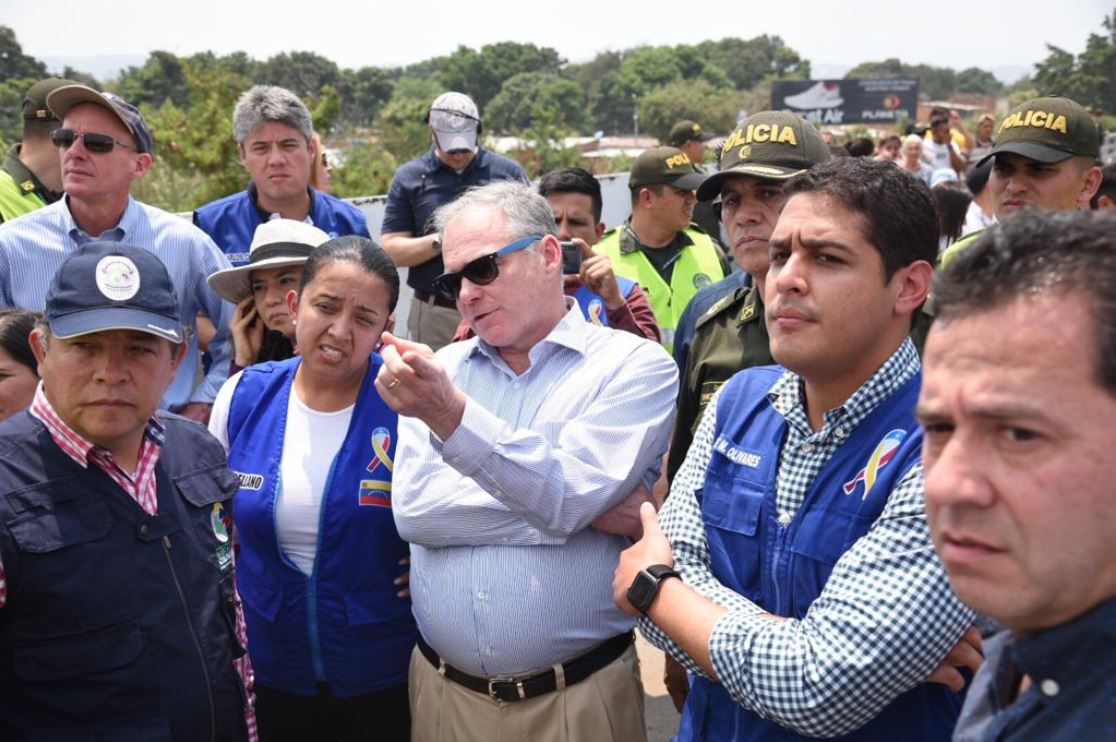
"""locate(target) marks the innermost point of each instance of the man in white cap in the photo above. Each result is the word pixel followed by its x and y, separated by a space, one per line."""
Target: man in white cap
pixel 455 162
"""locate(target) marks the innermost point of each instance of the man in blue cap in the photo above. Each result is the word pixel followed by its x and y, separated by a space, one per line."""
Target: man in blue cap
pixel 118 609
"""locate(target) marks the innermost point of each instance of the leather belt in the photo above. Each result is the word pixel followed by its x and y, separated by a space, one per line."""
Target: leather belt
pixel 511 690
pixel 437 301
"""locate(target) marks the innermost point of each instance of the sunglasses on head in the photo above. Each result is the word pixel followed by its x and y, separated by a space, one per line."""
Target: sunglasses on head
pixel 481 271
pixel 98 143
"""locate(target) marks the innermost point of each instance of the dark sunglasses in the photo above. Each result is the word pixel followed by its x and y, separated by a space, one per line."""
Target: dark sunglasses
pixel 98 143
pixel 481 271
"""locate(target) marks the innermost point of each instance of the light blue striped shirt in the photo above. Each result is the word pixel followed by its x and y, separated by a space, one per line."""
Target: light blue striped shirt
pixel 506 575
pixel 33 247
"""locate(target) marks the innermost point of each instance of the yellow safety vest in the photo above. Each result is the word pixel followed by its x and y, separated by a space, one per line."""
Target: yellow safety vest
pixel 697 266
pixel 17 199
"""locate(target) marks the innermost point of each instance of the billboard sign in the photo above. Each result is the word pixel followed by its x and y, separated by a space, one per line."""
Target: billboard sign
pixel 854 101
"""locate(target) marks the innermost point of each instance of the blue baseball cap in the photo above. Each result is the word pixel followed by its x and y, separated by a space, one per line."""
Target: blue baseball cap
pixel 112 286
pixel 61 100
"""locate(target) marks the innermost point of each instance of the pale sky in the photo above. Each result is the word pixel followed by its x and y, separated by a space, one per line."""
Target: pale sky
pixel 985 33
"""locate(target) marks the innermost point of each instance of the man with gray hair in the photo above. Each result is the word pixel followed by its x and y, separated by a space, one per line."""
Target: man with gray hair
pixel 274 136
pixel 521 453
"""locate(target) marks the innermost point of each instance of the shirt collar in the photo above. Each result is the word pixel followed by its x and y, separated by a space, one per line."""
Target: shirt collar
pixel 73 444
pixel 570 332
pixel 118 233
pixel 265 215
pixel 1067 653
pixel 787 395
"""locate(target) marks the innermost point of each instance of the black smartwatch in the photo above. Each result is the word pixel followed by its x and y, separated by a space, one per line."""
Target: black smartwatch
pixel 646 584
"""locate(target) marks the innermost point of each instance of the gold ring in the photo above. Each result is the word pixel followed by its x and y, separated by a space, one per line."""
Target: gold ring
pixel 393 383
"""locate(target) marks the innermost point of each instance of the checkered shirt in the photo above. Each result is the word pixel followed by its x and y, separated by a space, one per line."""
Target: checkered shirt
pixel 886 617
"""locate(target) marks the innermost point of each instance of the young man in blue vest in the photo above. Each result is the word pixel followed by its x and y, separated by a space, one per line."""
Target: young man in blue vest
pixel 274 136
pixel 811 602
pixel 118 610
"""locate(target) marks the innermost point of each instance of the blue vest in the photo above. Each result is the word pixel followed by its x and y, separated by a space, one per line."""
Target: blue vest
pixel 118 625
pixel 783 568
pixel 592 304
pixel 344 625
pixel 231 221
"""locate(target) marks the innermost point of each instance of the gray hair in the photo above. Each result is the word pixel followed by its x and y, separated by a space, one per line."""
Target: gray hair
pixel 526 211
pixel 263 103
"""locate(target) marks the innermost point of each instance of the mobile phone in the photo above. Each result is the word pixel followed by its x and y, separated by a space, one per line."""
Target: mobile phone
pixel 571 258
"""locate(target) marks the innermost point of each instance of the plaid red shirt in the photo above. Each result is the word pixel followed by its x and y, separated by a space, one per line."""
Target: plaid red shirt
pixel 141 486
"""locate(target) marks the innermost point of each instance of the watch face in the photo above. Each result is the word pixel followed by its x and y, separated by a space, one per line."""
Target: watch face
pixel 642 592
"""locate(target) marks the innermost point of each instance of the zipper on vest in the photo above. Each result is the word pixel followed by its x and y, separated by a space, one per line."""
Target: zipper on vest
pixel 194 636
pixel 312 583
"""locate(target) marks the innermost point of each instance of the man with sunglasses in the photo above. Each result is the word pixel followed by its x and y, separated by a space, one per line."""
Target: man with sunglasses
pixel 275 141
pixel 31 176
pixel 512 446
pixel 659 247
pixel 105 146
pixel 456 161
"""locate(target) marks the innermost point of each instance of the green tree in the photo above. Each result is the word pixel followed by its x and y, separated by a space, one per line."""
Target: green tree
pixel 161 78
pixel 480 75
pixel 402 122
pixel 363 93
pixel 12 93
pixel 749 62
pixel 1090 77
pixel 366 169
pixel 13 62
pixel 303 73
pixel 663 107
pixel 196 158
pixel 529 97
pixel 544 150
pixel 976 80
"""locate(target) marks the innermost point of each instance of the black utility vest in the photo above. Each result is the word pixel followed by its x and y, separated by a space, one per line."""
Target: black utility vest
pixel 118 625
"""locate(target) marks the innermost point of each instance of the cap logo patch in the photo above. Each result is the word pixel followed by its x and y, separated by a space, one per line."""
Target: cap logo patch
pixel 117 277
pixel 676 161
pixel 1037 119
pixel 759 133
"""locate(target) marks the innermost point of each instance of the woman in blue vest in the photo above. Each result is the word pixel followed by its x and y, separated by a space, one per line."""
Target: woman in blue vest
pixel 320 565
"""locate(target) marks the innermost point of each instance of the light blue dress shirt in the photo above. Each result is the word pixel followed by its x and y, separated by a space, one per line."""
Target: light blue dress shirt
pixel 507 576
pixel 33 247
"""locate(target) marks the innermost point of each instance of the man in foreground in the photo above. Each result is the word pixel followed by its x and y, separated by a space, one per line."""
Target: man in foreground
pixel 1019 407
pixel 811 602
pixel 118 609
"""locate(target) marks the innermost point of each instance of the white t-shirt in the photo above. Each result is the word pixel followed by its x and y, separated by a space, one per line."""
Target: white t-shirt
pixel 937 155
pixel 311 441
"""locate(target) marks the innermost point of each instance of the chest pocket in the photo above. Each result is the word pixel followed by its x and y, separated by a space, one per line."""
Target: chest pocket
pixel 49 524
pixel 211 491
pixel 730 510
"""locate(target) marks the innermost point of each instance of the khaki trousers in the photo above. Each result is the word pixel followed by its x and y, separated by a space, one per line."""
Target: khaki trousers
pixel 431 324
pixel 605 707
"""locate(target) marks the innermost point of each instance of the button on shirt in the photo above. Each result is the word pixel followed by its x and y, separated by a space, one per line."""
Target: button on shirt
pixel 506 575
pixel 1072 695
pixel 33 247
pixel 830 672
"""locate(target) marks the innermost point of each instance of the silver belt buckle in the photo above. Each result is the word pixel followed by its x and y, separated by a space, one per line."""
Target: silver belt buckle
pixel 518 687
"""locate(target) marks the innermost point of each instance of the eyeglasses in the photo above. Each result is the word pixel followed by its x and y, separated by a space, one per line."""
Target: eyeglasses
pixel 98 143
pixel 481 271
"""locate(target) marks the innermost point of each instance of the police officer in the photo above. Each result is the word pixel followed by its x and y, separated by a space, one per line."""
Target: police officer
pixel 31 176
pixel 659 247
pixel 689 137
pixel 767 149
pixel 118 610
pixel 1046 157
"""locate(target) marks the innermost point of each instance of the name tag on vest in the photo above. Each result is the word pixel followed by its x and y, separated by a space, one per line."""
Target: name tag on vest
pixel 736 455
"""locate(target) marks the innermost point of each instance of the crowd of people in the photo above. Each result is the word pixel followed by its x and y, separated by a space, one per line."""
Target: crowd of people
pixel 829 425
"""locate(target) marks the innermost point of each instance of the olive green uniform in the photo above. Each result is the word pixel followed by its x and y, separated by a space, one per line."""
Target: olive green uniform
pixel 729 337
